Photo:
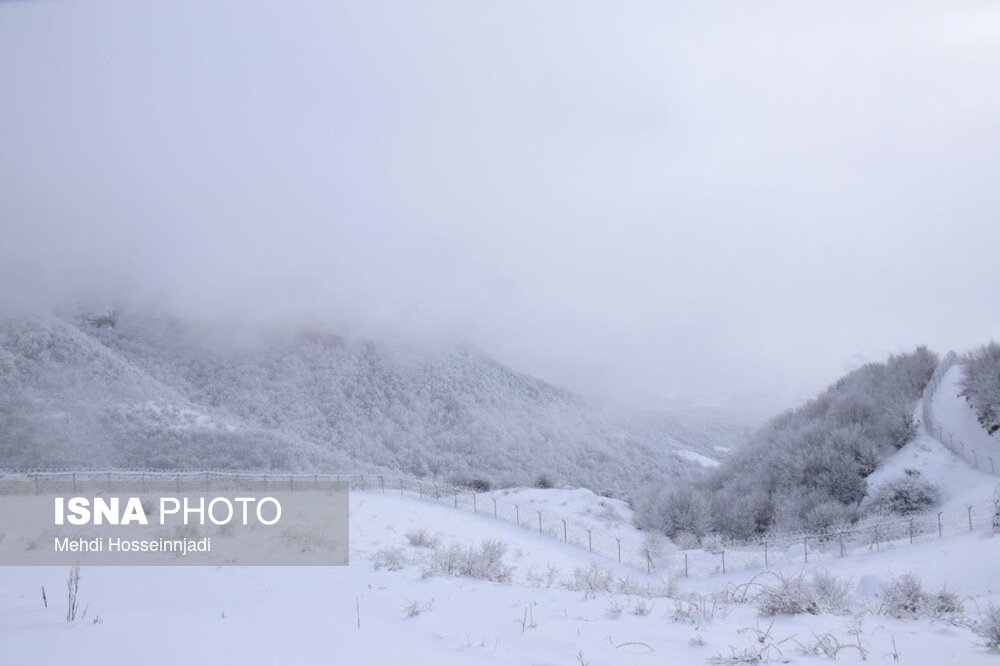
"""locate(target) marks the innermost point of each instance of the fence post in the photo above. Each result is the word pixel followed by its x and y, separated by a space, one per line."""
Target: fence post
pixel 420 489
pixel 649 561
pixel 940 531
pixel 765 554
pixel 590 539
pixel 805 548
pixel 475 508
pixel 517 514
pixel 685 564
pixel 36 484
pixel 876 539
pixel 970 518
pixel 619 540
pixel 841 544
pixel 494 499
pixel 911 531
pixel 723 560
pixel 362 482
pixel 565 539
pixel 539 521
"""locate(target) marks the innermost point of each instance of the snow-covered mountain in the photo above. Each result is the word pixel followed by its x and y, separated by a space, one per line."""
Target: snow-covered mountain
pixel 149 391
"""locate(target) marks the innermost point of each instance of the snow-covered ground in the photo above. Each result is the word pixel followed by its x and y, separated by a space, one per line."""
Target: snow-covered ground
pixel 265 615
pixel 560 603
pixel 957 421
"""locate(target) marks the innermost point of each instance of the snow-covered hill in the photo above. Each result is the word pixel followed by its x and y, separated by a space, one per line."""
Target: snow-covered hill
pixel 149 391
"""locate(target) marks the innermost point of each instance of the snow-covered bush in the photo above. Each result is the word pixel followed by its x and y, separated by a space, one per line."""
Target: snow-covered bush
pixel 544 481
pixel 416 608
pixel 833 594
pixel 419 538
pixel 944 603
pixel 789 595
pixel 684 509
pixel 905 496
pixel 592 580
pixel 484 563
pixel 988 627
pixel 392 559
pixel 903 597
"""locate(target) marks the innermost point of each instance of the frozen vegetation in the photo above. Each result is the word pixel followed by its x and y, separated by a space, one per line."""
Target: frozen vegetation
pixel 981 385
pixel 807 469
pixel 429 584
pixel 133 391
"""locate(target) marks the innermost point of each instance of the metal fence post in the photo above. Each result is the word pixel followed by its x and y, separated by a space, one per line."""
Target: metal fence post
pixel 765 554
pixel 494 499
pixel 539 521
pixel 649 561
pixel 517 514
pixel 685 564
pixel 805 548
pixel 475 508
pixel 970 518
pixel 841 544
pixel 723 560
pixel 940 531
pixel 590 539
pixel 618 539
pixel 565 538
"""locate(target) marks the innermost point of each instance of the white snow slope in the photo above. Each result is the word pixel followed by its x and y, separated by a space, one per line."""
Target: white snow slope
pixel 356 614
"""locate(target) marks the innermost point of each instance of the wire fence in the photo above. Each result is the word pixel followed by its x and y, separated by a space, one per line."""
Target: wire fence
pixel 982 460
pixel 627 547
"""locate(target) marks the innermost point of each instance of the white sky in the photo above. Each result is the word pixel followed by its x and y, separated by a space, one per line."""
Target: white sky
pixel 653 201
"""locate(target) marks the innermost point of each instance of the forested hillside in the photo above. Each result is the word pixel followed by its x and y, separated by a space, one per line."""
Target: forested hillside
pixel 807 468
pixel 981 385
pixel 149 391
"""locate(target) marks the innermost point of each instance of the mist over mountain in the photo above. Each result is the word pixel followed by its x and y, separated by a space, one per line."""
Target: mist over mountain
pixel 148 390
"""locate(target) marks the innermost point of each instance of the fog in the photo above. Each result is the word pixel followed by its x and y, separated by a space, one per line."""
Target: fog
pixel 669 204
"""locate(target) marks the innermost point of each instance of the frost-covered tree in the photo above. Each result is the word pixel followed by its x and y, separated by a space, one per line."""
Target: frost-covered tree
pixel 980 385
pixel 807 468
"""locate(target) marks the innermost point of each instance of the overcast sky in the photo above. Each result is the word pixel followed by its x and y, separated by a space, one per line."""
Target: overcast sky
pixel 663 202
